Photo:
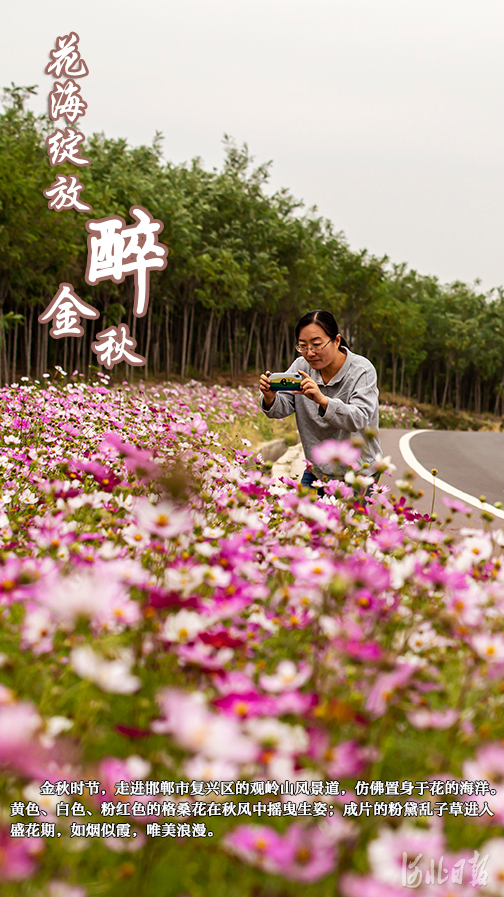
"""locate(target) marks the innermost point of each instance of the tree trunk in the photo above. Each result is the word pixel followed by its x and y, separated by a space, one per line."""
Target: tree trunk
pixel 45 348
pixel 248 347
pixel 403 367
pixel 269 347
pixel 147 342
pixel 71 366
pixel 214 349
pixel 394 373
pixel 190 337
pixel 380 372
pixel 499 399
pixel 38 357
pixel 14 353
pixel 419 386
pixel 28 341
pixel 279 348
pixel 167 335
pixel 90 350
pixel 185 320
pixel 434 398
pixel 477 395
pixel 447 384
pixel 457 390
pixel 470 397
pixel 207 346
pixel 258 344
pixel 230 345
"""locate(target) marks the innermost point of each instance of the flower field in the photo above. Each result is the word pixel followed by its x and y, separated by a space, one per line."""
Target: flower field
pixel 394 416
pixel 217 684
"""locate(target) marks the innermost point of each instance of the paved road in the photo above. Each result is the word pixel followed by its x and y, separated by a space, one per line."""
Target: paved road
pixel 469 465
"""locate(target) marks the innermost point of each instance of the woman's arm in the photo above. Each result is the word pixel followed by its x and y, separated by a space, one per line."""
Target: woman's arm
pixel 357 413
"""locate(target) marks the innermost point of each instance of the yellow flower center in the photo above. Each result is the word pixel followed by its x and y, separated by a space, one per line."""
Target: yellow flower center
pixel 303 855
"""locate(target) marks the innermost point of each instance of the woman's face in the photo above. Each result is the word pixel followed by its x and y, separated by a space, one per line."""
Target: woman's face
pixel 320 349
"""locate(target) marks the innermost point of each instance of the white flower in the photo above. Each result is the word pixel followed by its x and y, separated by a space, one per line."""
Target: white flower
pixel 286 678
pixel 110 675
pixel 489 647
pixel 494 849
pixel 184 626
pixel 55 725
pixel 383 464
pixel 269 732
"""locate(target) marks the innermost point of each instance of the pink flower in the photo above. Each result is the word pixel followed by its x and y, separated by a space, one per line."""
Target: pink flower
pixel 17 856
pixel 20 726
pixel 304 854
pixel 301 854
pixel 432 719
pixel 348 759
pixel 214 736
pixel 113 770
pixel 455 505
pixel 334 450
pixel 204 656
pixel 255 844
pixel 389 536
pixel 135 459
pixel 386 685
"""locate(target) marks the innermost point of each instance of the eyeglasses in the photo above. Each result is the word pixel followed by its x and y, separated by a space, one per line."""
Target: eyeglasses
pixel 316 347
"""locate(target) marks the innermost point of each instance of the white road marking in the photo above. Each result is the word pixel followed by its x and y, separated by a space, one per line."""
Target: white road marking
pixel 411 461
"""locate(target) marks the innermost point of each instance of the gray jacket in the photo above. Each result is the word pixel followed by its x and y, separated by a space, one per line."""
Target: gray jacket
pixel 353 406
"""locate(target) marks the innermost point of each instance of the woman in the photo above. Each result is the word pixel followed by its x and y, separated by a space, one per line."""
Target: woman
pixel 337 399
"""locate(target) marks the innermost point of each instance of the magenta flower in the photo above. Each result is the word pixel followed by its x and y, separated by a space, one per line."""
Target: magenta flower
pixel 18 856
pixel 246 704
pixel 135 459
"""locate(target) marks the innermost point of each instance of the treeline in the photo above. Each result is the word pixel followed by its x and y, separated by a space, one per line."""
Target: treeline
pixel 243 266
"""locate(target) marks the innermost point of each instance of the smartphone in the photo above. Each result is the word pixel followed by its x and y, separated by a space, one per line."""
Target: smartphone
pixel 285 382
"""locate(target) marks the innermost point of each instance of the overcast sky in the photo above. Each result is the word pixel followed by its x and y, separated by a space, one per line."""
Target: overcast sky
pixel 386 114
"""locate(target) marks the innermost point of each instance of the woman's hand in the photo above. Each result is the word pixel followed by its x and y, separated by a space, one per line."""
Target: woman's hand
pixel 310 389
pixel 268 394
